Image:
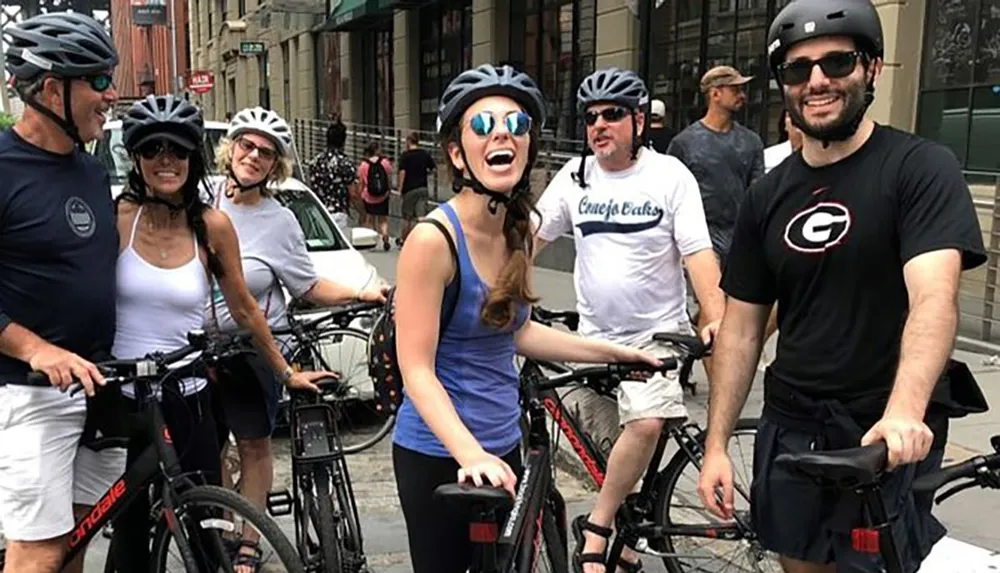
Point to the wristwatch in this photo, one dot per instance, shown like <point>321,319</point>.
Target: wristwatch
<point>286,375</point>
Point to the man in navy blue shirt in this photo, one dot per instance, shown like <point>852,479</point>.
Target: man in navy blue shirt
<point>58,249</point>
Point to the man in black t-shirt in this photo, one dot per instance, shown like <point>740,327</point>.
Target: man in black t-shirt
<point>58,251</point>
<point>861,240</point>
<point>414,165</point>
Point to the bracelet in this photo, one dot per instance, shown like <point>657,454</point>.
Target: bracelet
<point>286,375</point>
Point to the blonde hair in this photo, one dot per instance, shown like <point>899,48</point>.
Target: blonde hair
<point>281,170</point>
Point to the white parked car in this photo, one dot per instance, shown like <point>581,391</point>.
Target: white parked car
<point>332,254</point>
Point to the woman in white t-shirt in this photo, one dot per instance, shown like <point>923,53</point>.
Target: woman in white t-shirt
<point>256,153</point>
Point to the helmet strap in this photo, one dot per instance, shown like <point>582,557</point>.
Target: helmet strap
<point>496,198</point>
<point>244,188</point>
<point>66,124</point>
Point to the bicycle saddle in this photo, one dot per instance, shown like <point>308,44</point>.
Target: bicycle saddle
<point>466,496</point>
<point>692,345</point>
<point>847,469</point>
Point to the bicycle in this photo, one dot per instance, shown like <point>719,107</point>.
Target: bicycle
<point>198,518</point>
<point>537,516</point>
<point>860,470</point>
<point>654,520</point>
<point>327,525</point>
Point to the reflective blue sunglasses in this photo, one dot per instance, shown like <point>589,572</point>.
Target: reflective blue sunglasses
<point>518,123</point>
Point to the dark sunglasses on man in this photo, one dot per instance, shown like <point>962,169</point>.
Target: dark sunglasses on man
<point>99,82</point>
<point>610,115</point>
<point>835,65</point>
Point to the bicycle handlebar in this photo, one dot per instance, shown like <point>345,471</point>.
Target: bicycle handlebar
<point>970,468</point>
<point>619,371</point>
<point>569,318</point>
<point>123,371</point>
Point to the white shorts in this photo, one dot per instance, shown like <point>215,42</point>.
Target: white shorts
<point>40,473</point>
<point>659,397</point>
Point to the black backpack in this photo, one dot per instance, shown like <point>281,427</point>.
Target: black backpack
<point>383,367</point>
<point>378,179</point>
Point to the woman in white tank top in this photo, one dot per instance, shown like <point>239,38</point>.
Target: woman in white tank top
<point>172,247</point>
<point>255,153</point>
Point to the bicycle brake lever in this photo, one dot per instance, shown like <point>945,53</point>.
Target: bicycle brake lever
<point>957,489</point>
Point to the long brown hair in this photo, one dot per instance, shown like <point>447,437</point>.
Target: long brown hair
<point>513,286</point>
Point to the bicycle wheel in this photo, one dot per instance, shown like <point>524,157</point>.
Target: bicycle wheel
<point>326,521</point>
<point>678,505</point>
<point>345,351</point>
<point>352,543</point>
<point>216,521</point>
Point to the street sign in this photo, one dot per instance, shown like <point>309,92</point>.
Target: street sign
<point>251,48</point>
<point>201,82</point>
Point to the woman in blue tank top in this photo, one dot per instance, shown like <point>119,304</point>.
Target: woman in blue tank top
<point>459,417</point>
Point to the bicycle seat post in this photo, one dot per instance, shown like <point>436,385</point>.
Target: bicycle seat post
<point>878,538</point>
<point>484,531</point>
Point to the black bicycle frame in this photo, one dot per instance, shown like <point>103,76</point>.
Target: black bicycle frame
<point>158,459</point>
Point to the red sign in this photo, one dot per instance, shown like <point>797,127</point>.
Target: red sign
<point>201,82</point>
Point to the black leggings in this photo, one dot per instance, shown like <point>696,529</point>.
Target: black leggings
<point>192,429</point>
<point>439,538</point>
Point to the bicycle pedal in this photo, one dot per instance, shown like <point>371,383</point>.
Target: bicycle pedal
<point>279,503</point>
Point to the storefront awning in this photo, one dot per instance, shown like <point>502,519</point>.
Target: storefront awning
<point>351,14</point>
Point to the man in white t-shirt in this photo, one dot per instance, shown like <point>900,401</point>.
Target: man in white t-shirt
<point>635,215</point>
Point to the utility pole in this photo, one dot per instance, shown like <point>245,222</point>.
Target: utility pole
<point>175,80</point>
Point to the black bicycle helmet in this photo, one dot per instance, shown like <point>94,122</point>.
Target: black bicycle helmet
<point>806,19</point>
<point>66,44</point>
<point>167,117</point>
<point>484,81</point>
<point>612,85</point>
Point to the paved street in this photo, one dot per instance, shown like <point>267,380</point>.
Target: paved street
<point>973,535</point>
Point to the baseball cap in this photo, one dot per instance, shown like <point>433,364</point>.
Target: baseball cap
<point>720,76</point>
<point>657,108</point>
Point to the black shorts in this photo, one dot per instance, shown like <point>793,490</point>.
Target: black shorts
<point>378,209</point>
<point>245,398</point>
<point>797,518</point>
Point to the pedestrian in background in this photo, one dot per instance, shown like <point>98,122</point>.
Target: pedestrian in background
<point>414,165</point>
<point>334,178</point>
<point>375,175</point>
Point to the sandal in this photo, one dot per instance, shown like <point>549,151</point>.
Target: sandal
<point>581,524</point>
<point>251,559</point>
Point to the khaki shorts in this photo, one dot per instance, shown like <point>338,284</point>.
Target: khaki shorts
<point>659,397</point>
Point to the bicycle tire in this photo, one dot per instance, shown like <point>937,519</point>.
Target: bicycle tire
<point>227,500</point>
<point>666,481</point>
<point>331,546</point>
<point>352,540</point>
<point>358,370</point>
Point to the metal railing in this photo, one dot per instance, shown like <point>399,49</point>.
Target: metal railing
<point>978,290</point>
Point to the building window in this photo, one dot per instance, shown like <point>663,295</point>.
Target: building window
<point>553,41</point>
<point>328,95</point>
<point>688,37</point>
<point>445,50</point>
<point>960,81</point>
<point>376,75</point>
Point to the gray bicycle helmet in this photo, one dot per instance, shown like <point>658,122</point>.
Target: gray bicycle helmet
<point>806,19</point>
<point>488,80</point>
<point>612,85</point>
<point>167,117</point>
<point>66,44</point>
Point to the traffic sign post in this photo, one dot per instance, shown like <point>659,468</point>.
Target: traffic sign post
<point>201,82</point>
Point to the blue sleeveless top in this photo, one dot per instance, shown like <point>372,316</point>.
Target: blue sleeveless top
<point>475,364</point>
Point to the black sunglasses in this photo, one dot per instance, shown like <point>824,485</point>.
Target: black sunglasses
<point>835,65</point>
<point>153,149</point>
<point>610,115</point>
<point>99,82</point>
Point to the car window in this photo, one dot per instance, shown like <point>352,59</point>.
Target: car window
<point>312,217</point>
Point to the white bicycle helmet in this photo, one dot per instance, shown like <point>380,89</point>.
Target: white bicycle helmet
<point>264,122</point>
